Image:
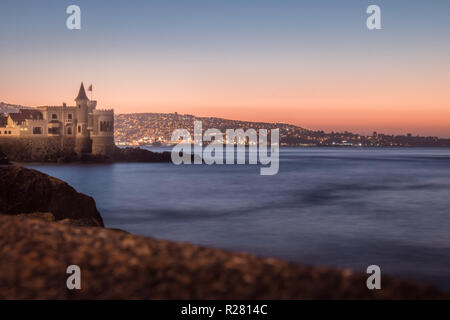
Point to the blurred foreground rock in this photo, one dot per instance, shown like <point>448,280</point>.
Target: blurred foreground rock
<point>3,159</point>
<point>34,255</point>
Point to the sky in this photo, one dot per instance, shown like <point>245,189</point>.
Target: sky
<point>310,63</point>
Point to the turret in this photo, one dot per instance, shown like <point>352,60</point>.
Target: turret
<point>82,144</point>
<point>103,132</point>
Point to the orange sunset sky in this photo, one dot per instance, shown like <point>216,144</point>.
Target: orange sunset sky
<point>292,63</point>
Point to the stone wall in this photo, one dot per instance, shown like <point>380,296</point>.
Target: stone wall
<point>39,149</point>
<point>103,145</point>
<point>83,144</point>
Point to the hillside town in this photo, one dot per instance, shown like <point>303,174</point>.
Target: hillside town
<point>156,129</point>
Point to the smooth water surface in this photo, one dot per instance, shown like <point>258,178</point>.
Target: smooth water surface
<point>327,206</point>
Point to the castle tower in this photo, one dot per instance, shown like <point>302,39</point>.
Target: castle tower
<point>103,132</point>
<point>82,142</point>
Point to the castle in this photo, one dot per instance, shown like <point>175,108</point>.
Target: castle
<point>82,128</point>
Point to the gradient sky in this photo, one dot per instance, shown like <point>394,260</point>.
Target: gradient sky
<point>309,63</point>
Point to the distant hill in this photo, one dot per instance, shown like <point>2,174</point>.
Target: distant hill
<point>157,128</point>
<point>148,128</point>
<point>10,108</point>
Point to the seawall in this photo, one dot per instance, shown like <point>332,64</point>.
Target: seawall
<point>38,149</point>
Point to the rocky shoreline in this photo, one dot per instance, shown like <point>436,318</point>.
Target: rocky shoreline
<point>16,154</point>
<point>46,225</point>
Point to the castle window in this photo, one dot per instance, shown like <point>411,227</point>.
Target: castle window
<point>37,130</point>
<point>69,116</point>
<point>69,130</point>
<point>79,129</point>
<point>106,126</point>
<point>9,132</point>
<point>53,130</point>
<point>54,116</point>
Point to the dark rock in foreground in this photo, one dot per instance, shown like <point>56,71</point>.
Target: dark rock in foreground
<point>3,159</point>
<point>35,254</point>
<point>26,191</point>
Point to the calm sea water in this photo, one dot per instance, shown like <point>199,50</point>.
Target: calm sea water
<point>336,207</point>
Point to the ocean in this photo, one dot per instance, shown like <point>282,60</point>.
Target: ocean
<point>339,207</point>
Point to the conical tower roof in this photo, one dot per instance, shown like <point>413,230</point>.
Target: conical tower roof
<point>82,93</point>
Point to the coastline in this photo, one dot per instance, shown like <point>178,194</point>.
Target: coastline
<point>15,153</point>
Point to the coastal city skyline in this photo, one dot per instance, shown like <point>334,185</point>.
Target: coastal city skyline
<point>144,129</point>
<point>310,64</point>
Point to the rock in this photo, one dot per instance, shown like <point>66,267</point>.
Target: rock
<point>140,155</point>
<point>43,216</point>
<point>35,254</point>
<point>26,191</point>
<point>75,222</point>
<point>3,159</point>
<point>68,158</point>
<point>94,158</point>
<point>49,151</point>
